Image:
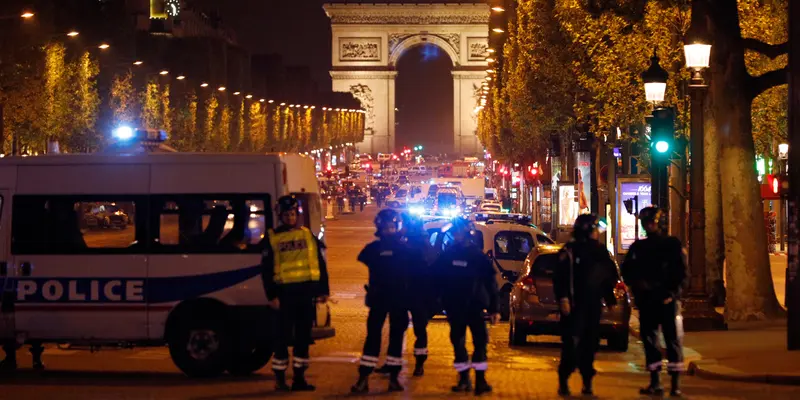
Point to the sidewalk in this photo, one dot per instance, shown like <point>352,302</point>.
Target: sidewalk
<point>746,352</point>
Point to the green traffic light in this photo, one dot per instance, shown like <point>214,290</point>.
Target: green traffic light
<point>662,146</point>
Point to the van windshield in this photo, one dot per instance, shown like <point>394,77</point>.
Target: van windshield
<point>447,200</point>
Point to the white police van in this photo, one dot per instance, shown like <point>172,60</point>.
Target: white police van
<point>142,249</point>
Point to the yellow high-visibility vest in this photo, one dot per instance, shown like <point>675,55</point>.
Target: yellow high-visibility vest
<point>295,255</point>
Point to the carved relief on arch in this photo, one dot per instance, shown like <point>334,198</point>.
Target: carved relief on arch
<point>364,94</point>
<point>400,42</point>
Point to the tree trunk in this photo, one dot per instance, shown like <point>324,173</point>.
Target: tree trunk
<point>715,249</point>
<point>751,295</point>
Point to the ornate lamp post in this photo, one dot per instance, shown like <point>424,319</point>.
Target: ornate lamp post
<point>699,314</point>
<point>661,132</point>
<point>655,81</point>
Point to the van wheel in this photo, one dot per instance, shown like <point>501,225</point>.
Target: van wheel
<point>245,363</point>
<point>516,337</point>
<point>619,342</point>
<point>201,347</point>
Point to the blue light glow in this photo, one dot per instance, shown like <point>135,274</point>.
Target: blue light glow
<point>662,146</point>
<point>123,133</point>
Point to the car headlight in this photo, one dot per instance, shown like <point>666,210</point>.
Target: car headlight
<point>417,210</point>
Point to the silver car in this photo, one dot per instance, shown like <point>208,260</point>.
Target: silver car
<point>534,306</point>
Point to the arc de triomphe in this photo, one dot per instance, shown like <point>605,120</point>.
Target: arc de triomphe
<point>369,39</point>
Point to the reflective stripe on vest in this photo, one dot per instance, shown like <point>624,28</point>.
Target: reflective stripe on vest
<point>295,256</point>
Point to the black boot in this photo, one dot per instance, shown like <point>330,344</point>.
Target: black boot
<point>676,385</point>
<point>481,386</point>
<point>464,384</point>
<point>419,369</point>
<point>362,385</point>
<point>655,385</point>
<point>394,382</point>
<point>299,383</point>
<point>587,386</point>
<point>280,381</point>
<point>563,385</point>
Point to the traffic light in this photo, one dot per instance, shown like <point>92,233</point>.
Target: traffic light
<point>662,133</point>
<point>774,183</point>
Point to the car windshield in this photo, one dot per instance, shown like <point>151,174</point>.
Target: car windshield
<point>402,193</point>
<point>447,199</point>
<point>491,207</point>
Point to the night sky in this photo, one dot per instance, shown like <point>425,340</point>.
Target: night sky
<point>300,31</point>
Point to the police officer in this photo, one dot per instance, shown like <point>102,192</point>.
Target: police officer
<point>468,287</point>
<point>585,276</point>
<point>419,276</point>
<point>386,259</point>
<point>655,270</point>
<point>295,273</point>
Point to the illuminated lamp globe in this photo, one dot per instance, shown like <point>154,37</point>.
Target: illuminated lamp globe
<point>662,146</point>
<point>655,81</point>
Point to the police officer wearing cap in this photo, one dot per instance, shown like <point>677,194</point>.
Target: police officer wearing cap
<point>388,287</point>
<point>295,274</point>
<point>586,275</point>
<point>468,287</point>
<point>655,270</point>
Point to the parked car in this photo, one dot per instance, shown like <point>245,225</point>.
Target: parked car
<point>534,307</point>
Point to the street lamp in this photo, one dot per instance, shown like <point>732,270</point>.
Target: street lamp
<point>497,30</point>
<point>204,85</point>
<point>73,33</point>
<point>180,77</point>
<point>783,151</point>
<point>164,72</point>
<point>498,9</point>
<point>104,46</point>
<point>655,81</point>
<point>138,63</point>
<point>700,314</point>
<point>27,15</point>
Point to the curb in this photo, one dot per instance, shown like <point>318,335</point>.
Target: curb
<point>712,370</point>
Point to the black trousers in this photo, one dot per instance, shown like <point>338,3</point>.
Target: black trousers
<point>295,320</point>
<point>420,316</point>
<point>652,316</point>
<point>398,324</point>
<point>459,322</point>
<point>580,339</point>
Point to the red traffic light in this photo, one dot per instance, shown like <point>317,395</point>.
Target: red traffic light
<point>773,181</point>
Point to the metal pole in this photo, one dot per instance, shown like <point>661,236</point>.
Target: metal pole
<point>699,313</point>
<point>792,282</point>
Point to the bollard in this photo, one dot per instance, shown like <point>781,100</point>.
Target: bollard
<point>329,215</point>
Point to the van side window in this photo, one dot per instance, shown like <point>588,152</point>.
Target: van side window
<point>210,223</point>
<point>542,239</point>
<point>309,204</point>
<point>74,225</point>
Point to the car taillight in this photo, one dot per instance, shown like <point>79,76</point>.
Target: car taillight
<point>620,290</point>
<point>528,284</point>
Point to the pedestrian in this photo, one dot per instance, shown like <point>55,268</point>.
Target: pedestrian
<point>586,275</point>
<point>9,363</point>
<point>386,259</point>
<point>468,287</point>
<point>655,270</point>
<point>295,274</point>
<point>340,202</point>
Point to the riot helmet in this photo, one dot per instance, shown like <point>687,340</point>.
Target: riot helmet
<point>653,220</point>
<point>585,227</point>
<point>388,223</point>
<point>288,209</point>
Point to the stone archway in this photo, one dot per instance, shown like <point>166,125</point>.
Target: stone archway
<point>369,39</point>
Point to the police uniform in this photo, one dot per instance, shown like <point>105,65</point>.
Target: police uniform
<point>468,287</point>
<point>585,276</point>
<point>655,270</point>
<point>294,272</point>
<point>419,305</point>
<point>386,294</point>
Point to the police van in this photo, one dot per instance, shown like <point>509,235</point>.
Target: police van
<point>145,249</point>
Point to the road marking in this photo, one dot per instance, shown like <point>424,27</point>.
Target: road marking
<point>332,359</point>
<point>345,295</point>
<point>354,228</point>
